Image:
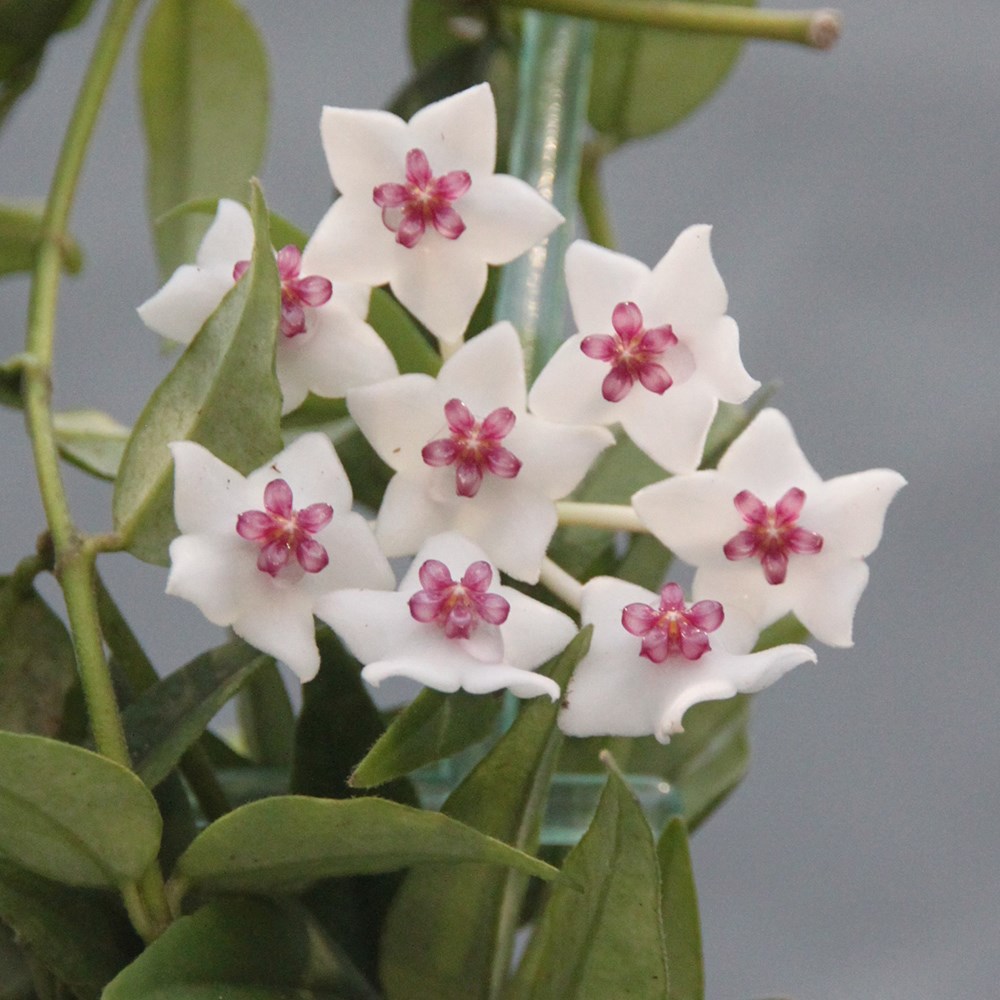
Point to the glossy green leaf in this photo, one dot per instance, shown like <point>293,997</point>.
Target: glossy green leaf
<point>451,930</point>
<point>222,393</point>
<point>283,843</point>
<point>204,87</point>
<point>267,719</point>
<point>646,80</point>
<point>37,664</point>
<point>73,816</point>
<point>82,937</point>
<point>606,940</point>
<point>432,727</point>
<point>21,236</point>
<point>681,926</point>
<point>91,440</point>
<point>410,348</point>
<point>241,949</point>
<point>169,717</point>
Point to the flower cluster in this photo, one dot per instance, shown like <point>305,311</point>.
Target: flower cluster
<point>479,462</point>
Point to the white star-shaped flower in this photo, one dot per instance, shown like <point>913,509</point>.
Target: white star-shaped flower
<point>768,535</point>
<point>655,352</point>
<point>628,685</point>
<point>421,208</point>
<point>257,552</point>
<point>470,458</point>
<point>451,625</point>
<point>324,344</point>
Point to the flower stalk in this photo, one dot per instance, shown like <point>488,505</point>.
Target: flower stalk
<point>611,517</point>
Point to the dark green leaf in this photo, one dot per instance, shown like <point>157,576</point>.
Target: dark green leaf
<point>432,727</point>
<point>606,940</point>
<point>267,719</point>
<point>451,929</point>
<point>284,843</point>
<point>81,936</point>
<point>204,85</point>
<point>681,927</point>
<point>37,664</point>
<point>21,236</point>
<point>368,474</point>
<point>435,27</point>
<point>646,80</point>
<point>222,393</point>
<point>169,717</point>
<point>91,440</point>
<point>73,816</point>
<point>241,949</point>
<point>410,348</point>
<point>10,384</point>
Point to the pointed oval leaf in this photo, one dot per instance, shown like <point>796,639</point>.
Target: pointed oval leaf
<point>410,348</point>
<point>646,80</point>
<point>681,926</point>
<point>286,842</point>
<point>222,393</point>
<point>72,815</point>
<point>91,440</point>
<point>21,231</point>
<point>204,87</point>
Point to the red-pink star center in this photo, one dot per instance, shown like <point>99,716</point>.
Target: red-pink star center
<point>408,208</point>
<point>673,628</point>
<point>296,293</point>
<point>633,353</point>
<point>474,448</point>
<point>457,608</point>
<point>772,533</point>
<point>280,531</point>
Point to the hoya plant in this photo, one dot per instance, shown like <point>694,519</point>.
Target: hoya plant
<point>386,449</point>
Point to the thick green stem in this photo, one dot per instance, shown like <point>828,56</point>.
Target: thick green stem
<point>817,29</point>
<point>610,516</point>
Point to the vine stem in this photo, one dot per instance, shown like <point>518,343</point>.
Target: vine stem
<point>817,29</point>
<point>566,587</point>
<point>611,516</point>
<point>75,555</point>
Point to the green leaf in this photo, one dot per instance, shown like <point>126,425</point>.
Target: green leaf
<point>81,936</point>
<point>21,236</point>
<point>283,232</point>
<point>204,87</point>
<point>681,927</point>
<point>284,843</point>
<point>451,929</point>
<point>646,80</point>
<point>10,383</point>
<point>432,727</point>
<point>241,949</point>
<point>37,664</point>
<point>91,440</point>
<point>169,717</point>
<point>410,348</point>
<point>222,393</point>
<point>73,816</point>
<point>606,941</point>
<point>267,719</point>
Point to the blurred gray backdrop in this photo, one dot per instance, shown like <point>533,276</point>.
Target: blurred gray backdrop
<point>856,201</point>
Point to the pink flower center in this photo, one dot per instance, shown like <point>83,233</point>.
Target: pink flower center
<point>474,448</point>
<point>457,608</point>
<point>296,292</point>
<point>772,533</point>
<point>408,208</point>
<point>280,531</point>
<point>633,353</point>
<point>673,628</point>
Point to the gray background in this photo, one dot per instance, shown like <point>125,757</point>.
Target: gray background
<point>855,200</point>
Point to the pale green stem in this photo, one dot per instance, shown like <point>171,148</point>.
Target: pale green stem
<point>610,516</point>
<point>818,29</point>
<point>557,581</point>
<point>447,349</point>
<point>592,204</point>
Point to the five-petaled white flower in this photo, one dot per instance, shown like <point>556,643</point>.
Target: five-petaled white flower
<point>324,344</point>
<point>655,352</point>
<point>469,457</point>
<point>652,657</point>
<point>768,536</point>
<point>421,208</point>
<point>257,552</point>
<point>451,625</point>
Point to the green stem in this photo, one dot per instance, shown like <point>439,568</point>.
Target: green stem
<point>557,581</point>
<point>817,29</point>
<point>610,516</point>
<point>592,203</point>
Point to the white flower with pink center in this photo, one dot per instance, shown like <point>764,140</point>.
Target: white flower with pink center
<point>421,208</point>
<point>451,625</point>
<point>652,657</point>
<point>324,344</point>
<point>656,351</point>
<point>768,535</point>
<point>469,457</point>
<point>257,552</point>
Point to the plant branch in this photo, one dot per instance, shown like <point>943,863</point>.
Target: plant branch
<point>613,517</point>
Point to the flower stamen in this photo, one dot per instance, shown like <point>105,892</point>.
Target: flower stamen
<point>673,629</point>
<point>457,608</point>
